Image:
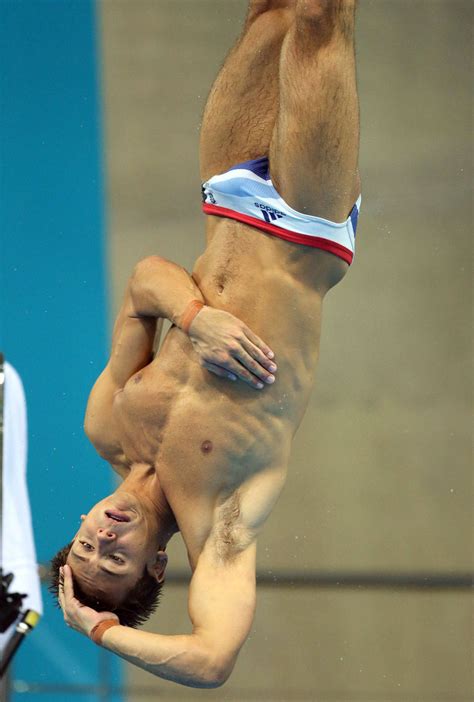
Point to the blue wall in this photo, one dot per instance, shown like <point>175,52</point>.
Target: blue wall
<point>52,289</point>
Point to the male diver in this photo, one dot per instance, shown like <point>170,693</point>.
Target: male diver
<point>200,454</point>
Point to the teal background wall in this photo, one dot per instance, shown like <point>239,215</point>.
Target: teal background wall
<point>53,311</point>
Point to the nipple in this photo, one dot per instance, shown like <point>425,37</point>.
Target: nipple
<point>206,446</point>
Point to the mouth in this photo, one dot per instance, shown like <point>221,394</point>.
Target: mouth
<point>117,516</point>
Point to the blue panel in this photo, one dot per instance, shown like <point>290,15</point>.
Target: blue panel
<point>52,287</point>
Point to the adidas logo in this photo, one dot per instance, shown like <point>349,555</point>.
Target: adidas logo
<point>271,216</point>
<point>268,213</point>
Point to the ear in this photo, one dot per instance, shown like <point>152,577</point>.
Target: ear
<point>157,569</point>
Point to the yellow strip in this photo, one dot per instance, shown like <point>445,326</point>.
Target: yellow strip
<point>32,618</point>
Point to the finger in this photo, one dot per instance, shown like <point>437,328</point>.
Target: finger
<point>61,589</point>
<point>259,356</point>
<point>68,588</point>
<point>217,370</point>
<point>234,371</point>
<point>258,342</point>
<point>253,366</point>
<point>61,597</point>
<point>242,373</point>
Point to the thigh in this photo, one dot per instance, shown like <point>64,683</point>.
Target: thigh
<point>315,144</point>
<point>242,106</point>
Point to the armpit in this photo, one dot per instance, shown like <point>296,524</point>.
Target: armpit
<point>230,536</point>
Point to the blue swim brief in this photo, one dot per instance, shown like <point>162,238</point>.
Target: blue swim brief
<point>246,193</point>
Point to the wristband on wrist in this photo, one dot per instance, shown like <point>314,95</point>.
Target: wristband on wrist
<point>99,630</point>
<point>189,314</point>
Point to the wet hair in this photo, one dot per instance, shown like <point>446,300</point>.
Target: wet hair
<point>138,605</point>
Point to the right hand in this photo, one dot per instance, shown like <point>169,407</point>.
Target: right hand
<point>77,615</point>
<point>229,349</point>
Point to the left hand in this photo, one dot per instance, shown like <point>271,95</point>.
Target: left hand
<point>77,615</point>
<point>228,348</point>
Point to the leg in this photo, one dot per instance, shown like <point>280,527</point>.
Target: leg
<point>242,106</point>
<point>315,144</point>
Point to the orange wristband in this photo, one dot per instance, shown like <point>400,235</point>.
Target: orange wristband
<point>191,311</point>
<point>99,630</point>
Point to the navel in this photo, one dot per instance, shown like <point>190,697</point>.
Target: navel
<point>206,446</point>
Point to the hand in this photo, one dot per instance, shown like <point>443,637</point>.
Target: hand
<point>229,349</point>
<point>77,615</point>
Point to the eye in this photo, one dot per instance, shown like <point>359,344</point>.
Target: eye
<point>87,546</point>
<point>117,559</point>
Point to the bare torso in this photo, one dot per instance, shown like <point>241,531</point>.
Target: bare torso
<point>220,449</point>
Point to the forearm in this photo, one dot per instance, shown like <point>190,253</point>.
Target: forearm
<point>161,288</point>
<point>181,659</point>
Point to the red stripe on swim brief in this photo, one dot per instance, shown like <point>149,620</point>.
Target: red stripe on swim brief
<point>316,242</point>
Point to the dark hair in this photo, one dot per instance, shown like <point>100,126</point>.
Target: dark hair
<point>139,604</point>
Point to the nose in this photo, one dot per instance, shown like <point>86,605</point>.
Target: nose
<point>105,535</point>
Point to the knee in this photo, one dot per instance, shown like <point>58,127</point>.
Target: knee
<point>270,19</point>
<point>325,17</point>
<point>259,7</point>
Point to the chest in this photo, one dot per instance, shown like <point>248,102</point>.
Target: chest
<point>141,414</point>
<point>201,433</point>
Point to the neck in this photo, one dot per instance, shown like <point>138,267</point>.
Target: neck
<point>143,486</point>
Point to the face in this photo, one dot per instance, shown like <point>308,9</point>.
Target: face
<point>115,543</point>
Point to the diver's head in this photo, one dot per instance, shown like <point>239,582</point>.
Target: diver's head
<point>118,541</point>
<point>117,558</point>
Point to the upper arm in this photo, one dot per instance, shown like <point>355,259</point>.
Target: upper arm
<point>222,599</point>
<point>156,289</point>
<point>221,607</point>
<point>222,594</point>
<point>132,347</point>
<point>99,423</point>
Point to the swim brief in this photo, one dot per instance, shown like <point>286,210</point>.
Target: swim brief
<point>246,193</point>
